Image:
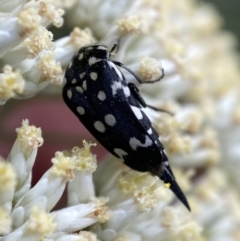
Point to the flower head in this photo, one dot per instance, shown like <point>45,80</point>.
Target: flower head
<point>200,135</point>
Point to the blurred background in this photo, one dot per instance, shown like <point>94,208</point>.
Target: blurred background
<point>230,11</point>
<point>61,129</point>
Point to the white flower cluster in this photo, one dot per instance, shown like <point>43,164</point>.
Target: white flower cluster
<point>110,202</point>
<point>132,197</point>
<point>25,211</point>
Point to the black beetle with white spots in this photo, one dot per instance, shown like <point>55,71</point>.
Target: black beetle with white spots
<point>111,109</point>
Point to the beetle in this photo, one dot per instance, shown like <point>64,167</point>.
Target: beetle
<point>111,109</point>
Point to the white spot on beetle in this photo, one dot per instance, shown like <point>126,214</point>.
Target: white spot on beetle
<point>126,91</point>
<point>84,85</point>
<point>116,86</point>
<point>79,89</point>
<point>92,60</point>
<point>110,120</point>
<point>102,47</point>
<point>101,95</point>
<point>80,110</point>
<point>93,75</point>
<point>99,126</point>
<point>135,143</point>
<point>81,75</point>
<point>74,81</point>
<point>80,56</point>
<point>149,131</point>
<point>69,94</point>
<point>166,163</point>
<point>112,65</point>
<point>137,112</point>
<point>120,153</point>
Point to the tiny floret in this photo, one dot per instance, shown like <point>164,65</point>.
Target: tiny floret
<point>40,222</point>
<point>210,139</point>
<point>81,37</point>
<point>149,69</point>
<point>85,160</point>
<point>179,144</point>
<point>194,122</point>
<point>170,218</point>
<point>29,19</point>
<point>54,15</point>
<point>11,83</point>
<point>128,182</point>
<point>190,231</point>
<point>142,187</point>
<point>165,124</point>
<point>63,165</point>
<point>36,42</point>
<point>101,211</point>
<point>51,69</point>
<point>29,136</point>
<point>129,24</point>
<point>145,200</point>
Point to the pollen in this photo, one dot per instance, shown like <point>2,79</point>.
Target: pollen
<point>142,187</point>
<point>54,15</point>
<point>7,176</point>
<point>40,222</point>
<point>210,139</point>
<point>51,69</point>
<point>80,38</point>
<point>149,69</point>
<point>101,211</point>
<point>190,231</point>
<point>194,121</point>
<point>167,185</point>
<point>128,181</point>
<point>37,41</point>
<point>178,144</point>
<point>63,165</point>
<point>11,83</point>
<point>129,24</point>
<point>170,218</point>
<point>165,124</point>
<point>29,136</point>
<point>29,19</point>
<point>145,200</point>
<point>85,160</point>
<point>173,47</point>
